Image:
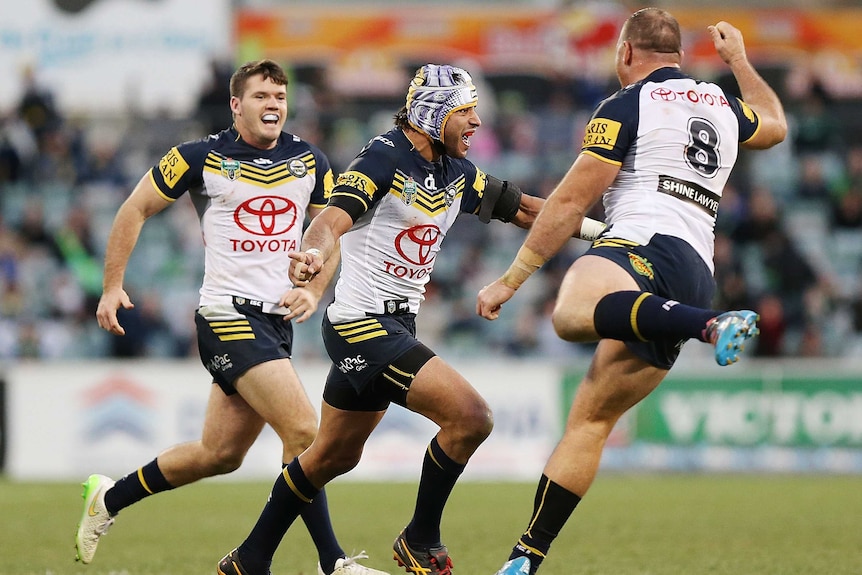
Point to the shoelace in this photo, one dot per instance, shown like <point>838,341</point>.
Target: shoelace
<point>103,528</point>
<point>351,560</point>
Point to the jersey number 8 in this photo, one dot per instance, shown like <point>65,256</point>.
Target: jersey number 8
<point>701,153</point>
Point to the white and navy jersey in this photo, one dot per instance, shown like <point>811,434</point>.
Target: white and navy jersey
<point>402,206</point>
<point>252,204</point>
<point>676,140</point>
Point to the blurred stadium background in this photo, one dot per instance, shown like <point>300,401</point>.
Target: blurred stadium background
<point>94,92</point>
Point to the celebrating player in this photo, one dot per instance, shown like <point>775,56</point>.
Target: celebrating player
<point>391,209</point>
<point>658,152</point>
<point>252,185</point>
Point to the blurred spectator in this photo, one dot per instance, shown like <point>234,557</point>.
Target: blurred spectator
<point>732,287</point>
<point>812,183</point>
<point>817,130</point>
<point>846,209</point>
<point>36,106</point>
<point>75,249</point>
<point>145,329</point>
<point>211,109</point>
<point>33,229</point>
<point>761,219</point>
<point>772,324</point>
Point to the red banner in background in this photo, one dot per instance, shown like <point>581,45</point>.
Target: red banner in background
<point>506,37</point>
<point>365,46</point>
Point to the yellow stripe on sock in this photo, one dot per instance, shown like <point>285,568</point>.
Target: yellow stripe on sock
<point>532,550</point>
<point>144,481</point>
<point>539,509</point>
<point>634,315</point>
<point>293,487</point>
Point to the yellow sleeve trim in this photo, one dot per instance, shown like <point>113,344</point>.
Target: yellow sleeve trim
<point>602,158</point>
<point>158,191</point>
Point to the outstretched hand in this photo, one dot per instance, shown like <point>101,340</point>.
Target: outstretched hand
<point>109,303</point>
<point>491,299</point>
<point>304,266</point>
<point>728,42</point>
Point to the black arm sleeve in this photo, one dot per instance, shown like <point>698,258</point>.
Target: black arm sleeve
<point>500,201</point>
<point>349,204</point>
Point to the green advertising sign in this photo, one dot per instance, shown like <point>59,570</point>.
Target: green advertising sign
<point>783,408</point>
<point>793,412</point>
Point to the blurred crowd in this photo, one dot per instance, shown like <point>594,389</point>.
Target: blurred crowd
<point>789,231</point>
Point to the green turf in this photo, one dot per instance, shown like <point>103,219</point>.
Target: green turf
<point>631,525</point>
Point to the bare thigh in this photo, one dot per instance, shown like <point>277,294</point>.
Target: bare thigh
<point>586,282</point>
<point>275,393</point>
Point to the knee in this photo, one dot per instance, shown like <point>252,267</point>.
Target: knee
<point>298,437</point>
<point>225,461</point>
<point>477,424</point>
<point>571,324</point>
<point>334,462</point>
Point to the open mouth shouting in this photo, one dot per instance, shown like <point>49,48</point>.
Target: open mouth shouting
<point>270,119</point>
<point>465,138</point>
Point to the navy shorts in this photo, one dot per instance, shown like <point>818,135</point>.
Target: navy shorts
<point>234,337</point>
<point>374,361</point>
<point>668,267</point>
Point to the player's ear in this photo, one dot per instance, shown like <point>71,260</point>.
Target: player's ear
<point>628,53</point>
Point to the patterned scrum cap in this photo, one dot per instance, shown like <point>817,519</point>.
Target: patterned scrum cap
<point>435,92</point>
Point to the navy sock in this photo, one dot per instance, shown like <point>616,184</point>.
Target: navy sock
<point>439,474</point>
<point>641,316</point>
<point>315,515</point>
<point>552,507</point>
<point>290,494</point>
<point>146,481</point>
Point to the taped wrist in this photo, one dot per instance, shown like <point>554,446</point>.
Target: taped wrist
<point>500,200</point>
<point>526,262</point>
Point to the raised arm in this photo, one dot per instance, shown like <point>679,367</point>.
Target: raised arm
<point>754,89</point>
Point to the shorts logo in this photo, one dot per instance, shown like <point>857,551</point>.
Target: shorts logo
<point>356,364</point>
<point>230,169</point>
<point>641,265</point>
<point>408,195</point>
<point>219,363</point>
<point>297,168</point>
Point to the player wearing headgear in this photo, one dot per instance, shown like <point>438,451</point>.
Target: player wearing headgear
<point>391,209</point>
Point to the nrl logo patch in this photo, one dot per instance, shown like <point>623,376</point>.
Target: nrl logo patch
<point>449,196</point>
<point>297,168</point>
<point>641,265</point>
<point>408,194</point>
<point>230,169</point>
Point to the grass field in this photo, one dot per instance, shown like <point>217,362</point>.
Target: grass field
<point>628,525</point>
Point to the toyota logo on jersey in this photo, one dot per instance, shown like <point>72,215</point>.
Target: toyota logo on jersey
<point>416,244</point>
<point>266,215</point>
